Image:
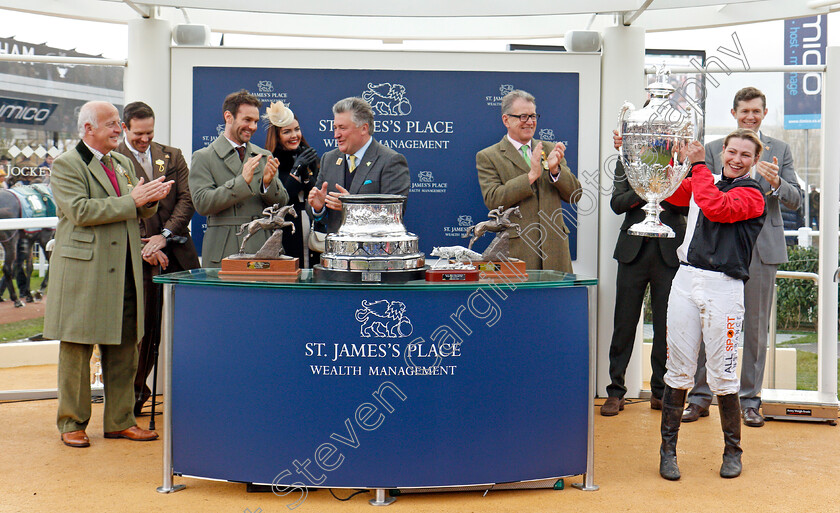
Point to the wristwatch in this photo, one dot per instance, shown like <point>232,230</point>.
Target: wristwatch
<point>167,234</point>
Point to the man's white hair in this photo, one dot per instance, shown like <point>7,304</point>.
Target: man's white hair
<point>87,115</point>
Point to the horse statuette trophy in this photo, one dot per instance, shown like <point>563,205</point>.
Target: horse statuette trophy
<point>651,138</point>
<point>496,262</point>
<point>455,263</point>
<point>269,260</point>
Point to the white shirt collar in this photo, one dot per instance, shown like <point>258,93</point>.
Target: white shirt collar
<point>147,153</point>
<point>360,153</point>
<point>96,153</point>
<point>234,144</point>
<point>518,145</point>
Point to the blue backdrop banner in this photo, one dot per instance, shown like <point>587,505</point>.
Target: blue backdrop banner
<point>438,119</point>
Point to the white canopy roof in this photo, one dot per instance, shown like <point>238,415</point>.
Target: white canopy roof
<point>391,20</point>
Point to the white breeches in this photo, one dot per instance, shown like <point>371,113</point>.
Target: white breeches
<point>705,306</point>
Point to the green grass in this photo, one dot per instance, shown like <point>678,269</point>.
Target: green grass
<point>22,329</point>
<point>12,331</point>
<point>806,363</point>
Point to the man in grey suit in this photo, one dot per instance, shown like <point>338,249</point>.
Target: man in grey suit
<point>232,181</point>
<point>360,165</point>
<point>778,181</point>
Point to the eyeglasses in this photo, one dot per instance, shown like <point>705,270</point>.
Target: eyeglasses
<point>524,117</point>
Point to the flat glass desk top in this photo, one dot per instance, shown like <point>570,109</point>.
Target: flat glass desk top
<point>211,278</point>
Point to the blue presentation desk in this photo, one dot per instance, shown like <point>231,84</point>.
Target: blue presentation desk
<point>380,386</point>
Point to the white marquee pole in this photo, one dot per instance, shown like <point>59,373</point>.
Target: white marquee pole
<point>829,224</point>
<point>148,73</point>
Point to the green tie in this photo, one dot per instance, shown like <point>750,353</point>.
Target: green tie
<point>352,162</point>
<point>525,154</point>
<point>106,159</point>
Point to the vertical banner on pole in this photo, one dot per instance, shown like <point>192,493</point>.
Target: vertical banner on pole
<point>804,44</point>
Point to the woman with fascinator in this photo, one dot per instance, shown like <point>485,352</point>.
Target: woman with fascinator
<point>297,171</point>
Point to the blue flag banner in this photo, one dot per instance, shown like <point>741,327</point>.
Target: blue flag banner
<point>804,44</point>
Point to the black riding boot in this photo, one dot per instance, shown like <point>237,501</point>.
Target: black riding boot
<point>673,401</point>
<point>730,422</point>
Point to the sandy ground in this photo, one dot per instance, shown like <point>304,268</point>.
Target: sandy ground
<point>787,467</point>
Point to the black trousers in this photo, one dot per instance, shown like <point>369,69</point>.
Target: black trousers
<point>633,278</point>
<point>152,308</point>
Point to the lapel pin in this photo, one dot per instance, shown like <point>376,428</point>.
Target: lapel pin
<point>338,161</point>
<point>368,163</point>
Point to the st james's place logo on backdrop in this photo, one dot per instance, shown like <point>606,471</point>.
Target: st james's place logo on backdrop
<point>207,139</point>
<point>463,223</point>
<point>267,93</point>
<point>426,183</point>
<point>546,134</point>
<point>387,99</point>
<point>383,319</point>
<point>494,100</point>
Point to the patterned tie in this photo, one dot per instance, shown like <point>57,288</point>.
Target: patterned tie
<point>241,151</point>
<point>106,159</point>
<point>146,165</point>
<point>524,150</point>
<point>352,159</point>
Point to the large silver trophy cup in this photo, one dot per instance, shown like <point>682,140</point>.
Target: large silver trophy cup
<point>651,138</point>
<point>372,244</point>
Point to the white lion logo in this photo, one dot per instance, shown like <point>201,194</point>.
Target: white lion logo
<point>505,89</point>
<point>426,176</point>
<point>387,99</point>
<point>265,86</point>
<point>547,134</point>
<point>465,220</point>
<point>384,319</point>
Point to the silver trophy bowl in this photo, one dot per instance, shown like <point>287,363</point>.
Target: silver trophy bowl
<point>651,138</point>
<point>372,244</point>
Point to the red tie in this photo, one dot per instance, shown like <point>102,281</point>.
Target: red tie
<point>241,151</point>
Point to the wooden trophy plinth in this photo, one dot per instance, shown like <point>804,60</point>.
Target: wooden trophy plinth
<point>252,267</point>
<point>511,268</point>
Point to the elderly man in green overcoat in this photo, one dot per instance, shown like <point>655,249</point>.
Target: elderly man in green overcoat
<point>97,276</point>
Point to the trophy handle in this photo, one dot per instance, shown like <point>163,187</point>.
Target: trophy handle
<point>627,107</point>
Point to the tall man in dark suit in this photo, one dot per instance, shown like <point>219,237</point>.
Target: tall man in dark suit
<point>778,182</point>
<point>97,276</point>
<point>641,261</point>
<point>360,165</point>
<point>531,174</point>
<point>168,246</point>
<point>232,181</point>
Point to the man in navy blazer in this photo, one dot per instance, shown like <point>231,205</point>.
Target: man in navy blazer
<point>778,182</point>
<point>359,165</point>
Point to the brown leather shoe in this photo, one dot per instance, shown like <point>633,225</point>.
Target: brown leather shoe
<point>75,438</point>
<point>655,403</point>
<point>134,433</point>
<point>752,418</point>
<point>612,406</point>
<point>694,412</point>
